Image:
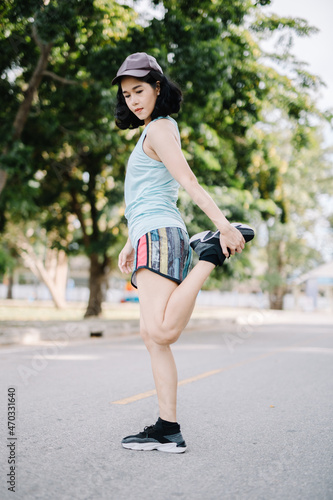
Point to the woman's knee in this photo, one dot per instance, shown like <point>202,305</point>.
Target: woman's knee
<point>165,336</point>
<point>159,333</point>
<point>145,337</point>
<point>154,341</point>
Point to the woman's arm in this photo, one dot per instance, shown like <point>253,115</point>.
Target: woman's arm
<point>126,258</point>
<point>163,140</point>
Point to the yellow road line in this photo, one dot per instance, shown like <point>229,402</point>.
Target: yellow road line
<point>199,377</point>
<point>148,394</point>
<point>137,397</point>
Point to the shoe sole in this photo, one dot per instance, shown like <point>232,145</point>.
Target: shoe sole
<point>165,447</point>
<point>201,236</point>
<point>246,230</point>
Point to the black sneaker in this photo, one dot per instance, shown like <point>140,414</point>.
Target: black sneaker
<point>155,438</point>
<point>208,242</point>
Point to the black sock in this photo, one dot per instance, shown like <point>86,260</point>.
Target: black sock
<point>213,258</point>
<point>166,423</point>
<point>168,426</point>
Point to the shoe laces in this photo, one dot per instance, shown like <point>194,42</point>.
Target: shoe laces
<point>149,429</point>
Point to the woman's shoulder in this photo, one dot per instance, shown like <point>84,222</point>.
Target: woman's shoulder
<point>165,125</point>
<point>166,119</point>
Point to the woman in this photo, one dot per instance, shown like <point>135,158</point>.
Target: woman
<point>158,250</point>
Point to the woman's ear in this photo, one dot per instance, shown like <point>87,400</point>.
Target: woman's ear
<point>158,87</point>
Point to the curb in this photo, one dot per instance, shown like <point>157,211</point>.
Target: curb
<point>23,333</point>
<point>35,332</point>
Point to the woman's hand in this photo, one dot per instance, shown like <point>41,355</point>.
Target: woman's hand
<point>231,240</point>
<point>126,258</point>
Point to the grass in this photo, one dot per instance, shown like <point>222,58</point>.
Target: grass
<point>45,311</point>
<point>22,310</point>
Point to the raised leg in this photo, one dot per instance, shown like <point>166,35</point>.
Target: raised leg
<point>167,307</point>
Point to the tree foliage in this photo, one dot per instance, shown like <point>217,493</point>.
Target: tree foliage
<point>64,163</point>
<point>64,160</point>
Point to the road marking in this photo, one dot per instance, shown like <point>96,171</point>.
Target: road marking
<point>137,397</point>
<point>148,394</point>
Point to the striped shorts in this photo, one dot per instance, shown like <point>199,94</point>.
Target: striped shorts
<point>164,251</point>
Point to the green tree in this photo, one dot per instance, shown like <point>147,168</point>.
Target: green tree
<point>303,176</point>
<point>61,163</point>
<point>68,164</point>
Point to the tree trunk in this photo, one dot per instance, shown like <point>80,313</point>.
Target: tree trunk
<point>31,92</point>
<point>97,285</point>
<point>10,285</point>
<point>49,278</point>
<point>276,298</point>
<point>277,260</point>
<point>3,179</point>
<point>56,266</point>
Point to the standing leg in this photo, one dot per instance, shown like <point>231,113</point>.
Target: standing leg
<point>165,375</point>
<point>165,435</point>
<point>157,294</point>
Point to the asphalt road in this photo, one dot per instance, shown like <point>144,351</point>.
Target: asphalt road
<point>255,408</point>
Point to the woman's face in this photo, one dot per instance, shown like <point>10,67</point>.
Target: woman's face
<point>140,97</point>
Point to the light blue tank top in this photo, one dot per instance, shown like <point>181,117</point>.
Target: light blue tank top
<point>151,193</point>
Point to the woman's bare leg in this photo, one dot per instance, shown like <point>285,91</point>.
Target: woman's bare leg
<point>165,375</point>
<point>167,307</point>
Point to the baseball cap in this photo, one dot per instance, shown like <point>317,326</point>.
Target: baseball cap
<point>139,65</point>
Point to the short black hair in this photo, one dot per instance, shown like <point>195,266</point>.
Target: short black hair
<point>167,102</point>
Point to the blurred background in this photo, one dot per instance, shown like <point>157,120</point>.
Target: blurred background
<point>256,128</point>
